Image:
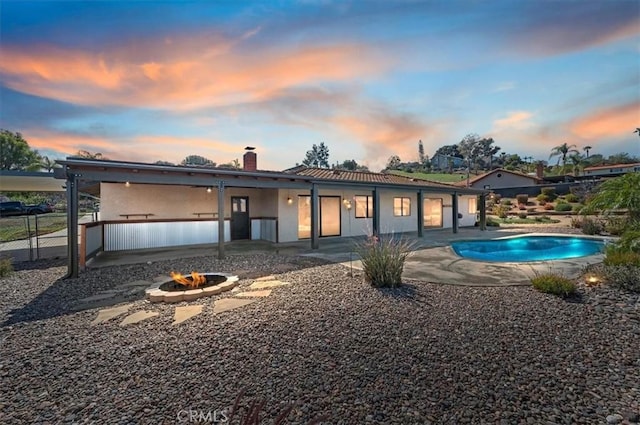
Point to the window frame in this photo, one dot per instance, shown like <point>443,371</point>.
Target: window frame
<point>475,202</point>
<point>368,206</point>
<point>403,213</point>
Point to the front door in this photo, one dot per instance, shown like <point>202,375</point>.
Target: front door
<point>432,212</point>
<point>240,224</point>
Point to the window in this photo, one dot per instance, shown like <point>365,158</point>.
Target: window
<point>364,206</point>
<point>473,205</point>
<point>401,207</point>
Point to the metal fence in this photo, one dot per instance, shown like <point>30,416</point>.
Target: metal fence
<point>34,237</point>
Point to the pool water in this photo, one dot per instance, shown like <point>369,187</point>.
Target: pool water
<point>529,248</point>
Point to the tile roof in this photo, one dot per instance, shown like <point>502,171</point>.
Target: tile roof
<point>604,167</point>
<point>502,170</point>
<point>363,177</point>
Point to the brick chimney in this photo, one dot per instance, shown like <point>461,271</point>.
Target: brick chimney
<point>540,170</point>
<point>249,160</point>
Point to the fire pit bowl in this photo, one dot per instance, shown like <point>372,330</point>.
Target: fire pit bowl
<point>170,291</point>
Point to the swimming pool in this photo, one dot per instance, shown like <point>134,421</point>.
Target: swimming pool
<point>529,248</point>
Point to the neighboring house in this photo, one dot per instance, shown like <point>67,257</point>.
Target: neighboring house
<point>500,178</point>
<point>154,206</point>
<point>610,170</point>
<point>444,162</point>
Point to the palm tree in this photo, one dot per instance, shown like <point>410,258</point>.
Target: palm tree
<point>587,149</point>
<point>619,193</point>
<point>562,151</point>
<point>577,160</point>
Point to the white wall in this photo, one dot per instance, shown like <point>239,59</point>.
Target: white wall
<point>502,179</point>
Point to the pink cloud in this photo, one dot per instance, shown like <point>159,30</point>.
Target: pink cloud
<point>180,73</point>
<point>607,123</point>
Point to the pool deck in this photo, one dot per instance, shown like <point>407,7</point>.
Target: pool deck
<point>432,261</point>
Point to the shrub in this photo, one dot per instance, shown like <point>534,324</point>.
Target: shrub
<point>506,202</point>
<point>522,207</point>
<point>618,257</point>
<point>522,215</point>
<point>576,222</point>
<point>551,283</point>
<point>522,199</point>
<point>492,223</point>
<point>572,198</point>
<point>548,207</point>
<point>628,242</point>
<point>383,260</point>
<point>530,210</point>
<point>615,225</point>
<point>577,208</point>
<point>563,207</point>
<point>545,218</point>
<point>590,226</point>
<point>6,268</point>
<point>542,203</point>
<point>550,192</point>
<point>542,198</point>
<point>625,277</point>
<point>497,197</point>
<point>501,211</point>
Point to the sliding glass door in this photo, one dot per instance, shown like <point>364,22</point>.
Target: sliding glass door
<point>329,216</point>
<point>432,212</point>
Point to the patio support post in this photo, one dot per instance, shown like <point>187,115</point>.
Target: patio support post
<point>483,212</point>
<point>315,231</point>
<point>221,220</point>
<point>72,226</point>
<point>454,211</point>
<point>420,213</point>
<point>376,211</point>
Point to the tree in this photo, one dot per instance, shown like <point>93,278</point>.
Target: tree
<point>471,148</point>
<point>449,150</point>
<point>394,162</point>
<point>637,131</point>
<point>420,152</point>
<point>47,164</point>
<point>197,160</point>
<point>621,158</point>
<point>88,155</point>
<point>318,156</point>
<point>562,151</point>
<point>619,193</point>
<point>587,149</point>
<point>487,150</point>
<point>15,153</point>
<point>233,165</point>
<point>577,161</point>
<point>164,163</point>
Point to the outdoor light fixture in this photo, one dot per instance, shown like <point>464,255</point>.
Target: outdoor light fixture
<point>592,280</point>
<point>289,200</point>
<point>208,190</point>
<point>127,184</point>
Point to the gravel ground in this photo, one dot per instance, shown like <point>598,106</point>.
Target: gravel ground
<point>421,354</point>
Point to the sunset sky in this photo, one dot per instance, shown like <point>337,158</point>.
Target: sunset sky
<point>147,81</point>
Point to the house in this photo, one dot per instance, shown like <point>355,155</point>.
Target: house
<point>610,170</point>
<point>154,206</point>
<point>444,162</point>
<point>500,178</point>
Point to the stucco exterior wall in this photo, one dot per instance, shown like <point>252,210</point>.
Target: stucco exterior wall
<point>500,179</point>
<point>178,202</point>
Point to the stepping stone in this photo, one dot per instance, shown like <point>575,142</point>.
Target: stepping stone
<point>98,297</point>
<point>267,284</point>
<point>186,312</point>
<point>263,278</point>
<point>110,313</point>
<point>138,316</point>
<point>257,294</point>
<point>227,304</point>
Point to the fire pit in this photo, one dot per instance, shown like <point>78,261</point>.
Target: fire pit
<point>191,287</point>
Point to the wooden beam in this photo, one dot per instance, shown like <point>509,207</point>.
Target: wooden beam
<point>221,220</point>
